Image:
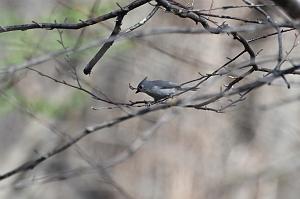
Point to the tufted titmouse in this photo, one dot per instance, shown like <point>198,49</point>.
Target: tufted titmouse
<point>160,89</point>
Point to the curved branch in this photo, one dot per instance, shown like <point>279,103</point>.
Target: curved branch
<point>81,24</point>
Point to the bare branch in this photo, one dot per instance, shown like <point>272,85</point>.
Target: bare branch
<point>81,24</point>
<point>88,68</point>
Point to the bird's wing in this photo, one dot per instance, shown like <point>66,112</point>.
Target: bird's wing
<point>165,84</point>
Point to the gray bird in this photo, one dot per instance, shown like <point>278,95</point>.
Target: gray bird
<point>160,89</point>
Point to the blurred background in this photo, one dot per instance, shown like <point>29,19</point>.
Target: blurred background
<point>249,151</point>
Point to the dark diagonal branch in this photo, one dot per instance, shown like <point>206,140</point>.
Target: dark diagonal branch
<point>114,34</point>
<point>88,68</point>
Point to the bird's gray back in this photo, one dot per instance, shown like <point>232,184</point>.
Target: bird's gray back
<point>163,84</point>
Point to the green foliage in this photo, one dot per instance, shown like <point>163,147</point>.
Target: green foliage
<point>33,43</point>
<point>105,8</point>
<point>45,107</point>
<point>6,102</point>
<point>9,17</point>
<point>54,110</point>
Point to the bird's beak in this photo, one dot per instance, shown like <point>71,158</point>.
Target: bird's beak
<point>137,91</point>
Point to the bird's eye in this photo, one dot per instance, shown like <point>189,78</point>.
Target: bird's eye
<point>141,86</point>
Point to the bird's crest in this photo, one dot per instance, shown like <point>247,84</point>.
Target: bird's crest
<point>144,79</point>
